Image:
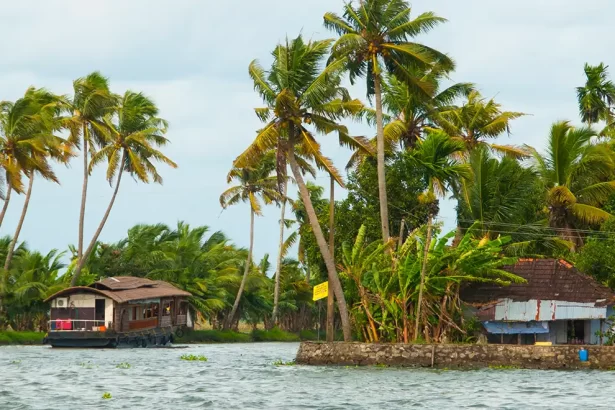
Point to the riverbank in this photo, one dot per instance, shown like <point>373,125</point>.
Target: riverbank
<point>189,337</point>
<point>469,356</point>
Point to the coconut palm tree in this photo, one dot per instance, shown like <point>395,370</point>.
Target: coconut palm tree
<point>49,146</point>
<point>301,97</point>
<point>92,100</point>
<point>131,143</point>
<point>375,36</point>
<point>253,182</point>
<point>578,177</point>
<point>435,157</point>
<point>409,113</point>
<point>597,96</point>
<point>478,120</point>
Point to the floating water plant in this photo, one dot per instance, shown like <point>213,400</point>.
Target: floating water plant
<point>283,363</point>
<point>15,361</point>
<point>193,358</point>
<point>123,365</point>
<point>106,395</point>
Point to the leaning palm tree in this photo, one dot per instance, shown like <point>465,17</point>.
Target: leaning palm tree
<point>253,182</point>
<point>597,96</point>
<point>578,177</point>
<point>300,96</point>
<point>131,137</point>
<point>91,101</point>
<point>375,36</point>
<point>48,146</point>
<point>435,157</point>
<point>478,120</point>
<point>22,143</point>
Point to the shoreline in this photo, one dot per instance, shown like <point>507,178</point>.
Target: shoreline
<point>27,338</point>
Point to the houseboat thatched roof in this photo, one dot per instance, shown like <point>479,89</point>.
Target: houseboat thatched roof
<point>124,289</point>
<point>547,279</point>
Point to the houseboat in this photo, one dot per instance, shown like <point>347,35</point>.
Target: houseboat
<point>118,311</point>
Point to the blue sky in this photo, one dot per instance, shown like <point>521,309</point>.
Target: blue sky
<point>192,56</point>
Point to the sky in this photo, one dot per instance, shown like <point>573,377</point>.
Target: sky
<point>191,57</point>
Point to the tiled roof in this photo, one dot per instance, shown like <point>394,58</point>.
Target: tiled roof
<point>126,289</point>
<point>547,279</point>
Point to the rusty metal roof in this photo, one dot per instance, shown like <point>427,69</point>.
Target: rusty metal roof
<point>126,289</point>
<point>547,279</point>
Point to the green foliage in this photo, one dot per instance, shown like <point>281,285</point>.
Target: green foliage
<point>123,365</point>
<point>597,256</point>
<point>273,335</point>
<point>193,358</point>
<point>21,338</point>
<point>283,363</point>
<point>106,396</point>
<point>213,336</point>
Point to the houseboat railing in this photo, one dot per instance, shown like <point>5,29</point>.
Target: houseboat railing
<point>65,325</point>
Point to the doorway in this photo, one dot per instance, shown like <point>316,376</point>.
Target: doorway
<point>576,332</point>
<point>99,312</point>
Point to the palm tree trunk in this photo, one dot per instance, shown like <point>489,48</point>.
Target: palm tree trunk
<point>81,262</point>
<point>382,186</point>
<point>6,203</point>
<point>229,320</point>
<point>330,298</point>
<point>423,273</point>
<point>11,251</point>
<point>278,270</point>
<point>322,245</point>
<point>84,192</point>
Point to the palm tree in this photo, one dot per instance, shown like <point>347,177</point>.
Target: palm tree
<point>410,113</point>
<point>131,142</point>
<point>91,101</point>
<point>44,123</point>
<point>253,182</point>
<point>478,120</point>
<point>374,36</point>
<point>22,145</point>
<point>597,96</point>
<point>435,157</point>
<point>298,95</point>
<point>578,177</point>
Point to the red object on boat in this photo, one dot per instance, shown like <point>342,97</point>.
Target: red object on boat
<point>63,324</point>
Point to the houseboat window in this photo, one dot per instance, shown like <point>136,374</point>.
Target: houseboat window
<point>135,313</point>
<point>183,308</point>
<point>166,309</point>
<point>155,310</point>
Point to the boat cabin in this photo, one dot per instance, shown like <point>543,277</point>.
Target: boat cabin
<point>557,305</point>
<point>122,309</point>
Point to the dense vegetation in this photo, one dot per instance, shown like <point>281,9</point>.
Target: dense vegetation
<point>394,275</point>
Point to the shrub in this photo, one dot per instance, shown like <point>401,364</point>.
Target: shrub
<point>274,335</point>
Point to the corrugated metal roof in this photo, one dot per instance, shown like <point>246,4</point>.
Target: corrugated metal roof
<point>148,290</point>
<point>547,279</point>
<point>543,310</point>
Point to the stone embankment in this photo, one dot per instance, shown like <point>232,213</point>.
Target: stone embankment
<point>455,355</point>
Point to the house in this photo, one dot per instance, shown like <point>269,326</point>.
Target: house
<point>116,311</point>
<point>558,304</point>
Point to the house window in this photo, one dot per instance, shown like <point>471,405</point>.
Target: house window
<point>166,309</point>
<point>183,308</point>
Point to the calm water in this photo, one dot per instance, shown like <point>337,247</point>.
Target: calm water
<point>242,376</point>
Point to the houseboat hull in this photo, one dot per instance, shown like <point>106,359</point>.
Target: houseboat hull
<point>151,338</point>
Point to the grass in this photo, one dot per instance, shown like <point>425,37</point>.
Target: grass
<point>274,335</point>
<point>193,358</point>
<point>213,336</point>
<point>283,363</point>
<point>21,338</point>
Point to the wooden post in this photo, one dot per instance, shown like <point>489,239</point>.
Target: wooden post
<point>518,338</point>
<point>502,338</point>
<point>330,299</point>
<point>433,354</point>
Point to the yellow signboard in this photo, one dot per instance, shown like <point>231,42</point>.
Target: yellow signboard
<point>321,291</point>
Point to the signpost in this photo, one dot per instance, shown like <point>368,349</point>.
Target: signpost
<point>321,291</point>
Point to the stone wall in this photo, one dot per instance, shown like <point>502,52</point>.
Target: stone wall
<point>455,356</point>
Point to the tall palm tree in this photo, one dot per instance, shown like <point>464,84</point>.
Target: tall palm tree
<point>478,120</point>
<point>435,157</point>
<point>408,113</point>
<point>92,100</point>
<point>131,137</point>
<point>597,96</point>
<point>306,167</point>
<point>49,146</point>
<point>578,177</point>
<point>253,182</point>
<point>375,36</point>
<point>22,145</point>
<point>300,96</point>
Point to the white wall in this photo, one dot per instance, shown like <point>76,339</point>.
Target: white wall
<point>82,300</point>
<point>108,311</point>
